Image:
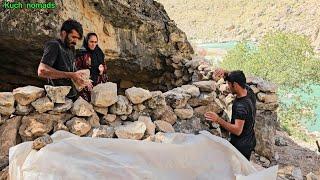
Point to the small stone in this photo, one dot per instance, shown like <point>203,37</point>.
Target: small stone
<point>191,90</point>
<point>204,99</point>
<point>122,106</point>
<point>116,123</point>
<point>85,78</point>
<point>6,103</point>
<point>104,95</point>
<point>26,95</point>
<point>60,108</point>
<point>82,108</point>
<point>267,98</point>
<point>176,99</point>
<point>267,107</point>
<point>184,113</point>
<point>165,114</point>
<point>139,107</point>
<point>57,94</point>
<point>265,161</point>
<point>109,118</point>
<point>94,120</point>
<point>43,104</point>
<point>265,86</point>
<point>101,110</point>
<point>149,124</point>
<point>137,95</point>
<point>103,131</point>
<point>279,141</point>
<point>59,126</point>
<point>78,126</point>
<point>207,86</point>
<point>6,99</point>
<point>164,126</point>
<point>41,142</point>
<point>134,130</point>
<point>123,117</point>
<point>157,100</point>
<point>23,110</point>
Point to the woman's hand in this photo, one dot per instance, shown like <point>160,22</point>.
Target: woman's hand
<point>101,69</point>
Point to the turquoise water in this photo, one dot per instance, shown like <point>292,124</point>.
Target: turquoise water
<point>313,95</point>
<point>223,45</point>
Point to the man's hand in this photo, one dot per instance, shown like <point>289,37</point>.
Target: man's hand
<point>212,116</point>
<point>78,77</point>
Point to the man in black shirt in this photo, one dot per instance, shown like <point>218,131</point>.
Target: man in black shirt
<point>57,63</point>
<point>243,114</point>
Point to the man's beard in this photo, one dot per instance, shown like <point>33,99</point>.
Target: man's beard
<point>69,44</point>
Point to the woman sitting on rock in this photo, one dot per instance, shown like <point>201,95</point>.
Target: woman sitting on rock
<point>91,57</point>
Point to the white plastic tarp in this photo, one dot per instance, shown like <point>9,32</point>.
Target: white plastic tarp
<point>179,156</point>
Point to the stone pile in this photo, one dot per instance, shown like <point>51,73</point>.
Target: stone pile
<point>32,113</point>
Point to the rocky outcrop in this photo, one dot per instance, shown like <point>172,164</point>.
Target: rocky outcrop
<point>137,37</point>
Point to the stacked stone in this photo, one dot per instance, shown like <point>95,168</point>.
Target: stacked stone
<point>266,118</point>
<point>32,113</point>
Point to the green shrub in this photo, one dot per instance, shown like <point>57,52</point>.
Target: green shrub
<point>288,60</point>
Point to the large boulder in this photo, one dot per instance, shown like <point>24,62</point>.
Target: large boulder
<point>28,94</point>
<point>104,95</point>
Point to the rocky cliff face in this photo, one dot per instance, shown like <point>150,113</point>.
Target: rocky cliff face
<point>137,36</point>
<point>233,20</point>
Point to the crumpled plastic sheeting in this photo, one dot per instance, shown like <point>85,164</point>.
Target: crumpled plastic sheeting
<point>179,156</point>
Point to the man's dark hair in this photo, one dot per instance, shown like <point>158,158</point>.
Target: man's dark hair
<point>70,24</point>
<point>238,77</point>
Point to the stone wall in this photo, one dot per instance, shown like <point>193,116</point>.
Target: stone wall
<point>30,112</point>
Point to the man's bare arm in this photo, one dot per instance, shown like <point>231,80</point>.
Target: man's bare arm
<point>46,71</point>
<point>235,128</point>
